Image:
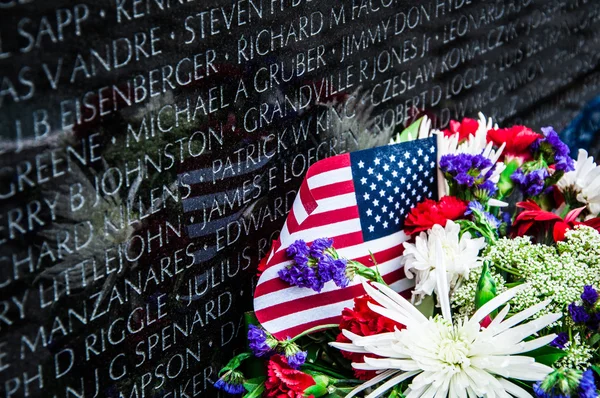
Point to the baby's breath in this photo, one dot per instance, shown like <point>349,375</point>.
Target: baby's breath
<point>579,355</point>
<point>557,272</point>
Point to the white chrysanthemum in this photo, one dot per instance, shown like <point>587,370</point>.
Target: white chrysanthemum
<point>451,359</point>
<point>461,255</point>
<point>584,182</point>
<point>474,145</point>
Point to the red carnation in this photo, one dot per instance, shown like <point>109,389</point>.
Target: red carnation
<point>285,382</point>
<point>464,129</point>
<point>428,213</point>
<point>363,322</point>
<point>518,139</point>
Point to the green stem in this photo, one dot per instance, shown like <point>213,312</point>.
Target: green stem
<point>507,270</point>
<point>565,212</point>
<point>315,329</point>
<point>323,369</point>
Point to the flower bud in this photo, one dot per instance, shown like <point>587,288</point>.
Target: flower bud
<point>486,287</point>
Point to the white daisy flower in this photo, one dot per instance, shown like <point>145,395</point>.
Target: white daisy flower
<point>461,256</point>
<point>583,182</point>
<point>446,359</point>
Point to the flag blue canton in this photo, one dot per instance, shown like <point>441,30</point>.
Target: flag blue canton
<point>389,181</point>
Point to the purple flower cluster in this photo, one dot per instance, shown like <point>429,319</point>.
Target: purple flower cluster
<point>578,313</point>
<point>554,150</point>
<point>296,360</point>
<point>589,295</point>
<point>472,171</point>
<point>586,314</point>
<point>532,183</point>
<point>560,341</point>
<point>258,340</point>
<point>314,266</point>
<point>295,357</point>
<point>541,393</point>
<point>230,387</point>
<point>263,344</point>
<point>587,385</point>
<point>477,209</point>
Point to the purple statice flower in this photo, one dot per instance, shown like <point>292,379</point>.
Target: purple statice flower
<point>578,313</point>
<point>478,210</point>
<point>587,385</point>
<point>258,340</point>
<point>338,271</point>
<point>232,386</point>
<point>296,360</point>
<point>554,150</point>
<point>297,249</point>
<point>541,393</point>
<point>301,275</point>
<point>560,341</point>
<point>473,171</point>
<point>318,247</point>
<point>589,295</point>
<point>314,266</point>
<point>532,183</point>
<point>293,354</point>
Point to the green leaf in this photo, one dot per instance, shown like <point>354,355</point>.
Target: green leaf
<point>235,362</point>
<point>257,392</point>
<point>426,306</point>
<point>411,133</point>
<point>547,355</point>
<point>250,319</point>
<point>506,184</point>
<point>595,339</point>
<point>596,369</point>
<point>321,380</point>
<point>316,391</point>
<point>252,384</point>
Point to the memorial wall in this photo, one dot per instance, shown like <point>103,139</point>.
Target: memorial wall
<point>151,149</point>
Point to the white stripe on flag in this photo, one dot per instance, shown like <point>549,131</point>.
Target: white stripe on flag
<point>295,292</point>
<point>299,211</point>
<point>330,177</point>
<point>335,202</point>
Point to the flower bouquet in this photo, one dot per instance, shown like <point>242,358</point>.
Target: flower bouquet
<point>455,263</point>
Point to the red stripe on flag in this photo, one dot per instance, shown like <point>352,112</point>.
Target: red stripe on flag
<point>331,217</point>
<point>306,198</point>
<point>332,163</point>
<point>328,191</point>
<point>296,330</point>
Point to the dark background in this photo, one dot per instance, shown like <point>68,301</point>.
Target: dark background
<point>109,312</point>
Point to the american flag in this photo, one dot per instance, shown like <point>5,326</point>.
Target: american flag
<point>360,200</point>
